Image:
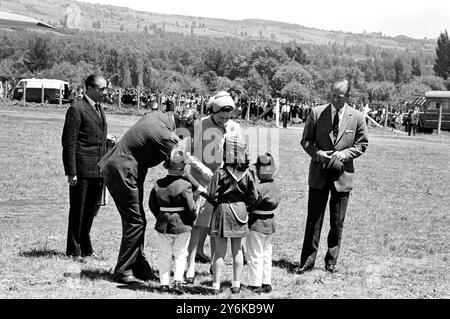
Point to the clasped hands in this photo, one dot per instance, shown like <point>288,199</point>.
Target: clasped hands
<point>325,156</point>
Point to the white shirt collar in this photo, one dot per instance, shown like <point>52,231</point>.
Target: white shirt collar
<point>91,102</point>
<point>341,111</point>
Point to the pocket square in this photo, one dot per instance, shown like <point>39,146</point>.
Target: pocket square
<point>349,131</point>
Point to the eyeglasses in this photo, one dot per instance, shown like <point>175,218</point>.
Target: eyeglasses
<point>103,89</point>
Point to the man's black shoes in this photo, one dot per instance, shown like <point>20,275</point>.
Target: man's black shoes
<point>303,269</point>
<point>128,280</point>
<point>331,268</point>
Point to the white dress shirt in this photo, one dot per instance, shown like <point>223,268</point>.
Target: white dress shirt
<point>340,114</point>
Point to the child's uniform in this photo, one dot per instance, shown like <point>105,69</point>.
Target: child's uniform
<point>261,227</point>
<point>172,203</point>
<point>232,191</point>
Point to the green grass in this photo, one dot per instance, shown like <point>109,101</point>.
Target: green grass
<point>395,240</point>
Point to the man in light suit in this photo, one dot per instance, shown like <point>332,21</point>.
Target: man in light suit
<point>84,144</point>
<point>336,132</point>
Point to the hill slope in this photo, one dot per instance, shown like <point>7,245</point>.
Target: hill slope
<point>75,14</point>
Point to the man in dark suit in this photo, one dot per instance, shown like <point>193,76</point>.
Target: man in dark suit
<point>84,144</point>
<point>333,131</point>
<point>124,168</point>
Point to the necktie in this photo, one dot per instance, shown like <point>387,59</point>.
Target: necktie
<point>97,108</point>
<point>336,125</point>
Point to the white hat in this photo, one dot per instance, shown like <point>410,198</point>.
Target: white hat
<point>221,100</point>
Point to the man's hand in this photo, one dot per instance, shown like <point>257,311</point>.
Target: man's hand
<point>72,180</point>
<point>323,157</point>
<point>340,155</point>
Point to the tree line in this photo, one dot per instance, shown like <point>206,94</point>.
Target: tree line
<point>172,62</point>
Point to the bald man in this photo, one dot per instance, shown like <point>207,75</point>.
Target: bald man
<point>84,144</point>
<point>334,135</point>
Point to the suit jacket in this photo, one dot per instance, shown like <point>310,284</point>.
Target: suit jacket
<point>83,140</point>
<point>352,140</point>
<point>173,191</point>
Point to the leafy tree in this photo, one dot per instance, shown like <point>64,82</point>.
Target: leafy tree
<point>40,54</point>
<point>381,91</point>
<point>416,67</point>
<point>289,73</point>
<point>214,60</point>
<point>295,91</point>
<point>433,82</point>
<point>402,72</point>
<point>442,62</point>
<point>296,53</point>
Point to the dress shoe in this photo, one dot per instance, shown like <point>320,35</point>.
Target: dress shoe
<point>149,275</point>
<point>128,280</point>
<point>93,255</point>
<point>331,268</point>
<point>266,288</point>
<point>190,280</point>
<point>235,290</point>
<point>202,259</point>
<point>164,288</point>
<point>303,269</point>
<point>79,259</point>
<point>177,288</point>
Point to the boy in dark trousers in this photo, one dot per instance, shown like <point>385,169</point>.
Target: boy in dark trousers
<point>261,227</point>
<point>172,203</point>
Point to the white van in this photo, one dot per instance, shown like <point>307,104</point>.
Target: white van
<point>33,92</point>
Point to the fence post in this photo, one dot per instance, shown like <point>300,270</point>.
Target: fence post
<point>386,115</point>
<point>138,98</point>
<point>24,92</point>
<point>120,97</point>
<point>439,119</point>
<point>60,95</point>
<point>42,95</point>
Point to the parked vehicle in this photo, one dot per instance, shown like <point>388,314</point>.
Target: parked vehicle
<point>33,90</point>
<point>429,116</point>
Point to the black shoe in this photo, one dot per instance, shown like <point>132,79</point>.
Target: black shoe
<point>93,255</point>
<point>79,259</point>
<point>303,269</point>
<point>266,288</point>
<point>128,280</point>
<point>202,259</point>
<point>235,290</point>
<point>164,288</point>
<point>149,275</point>
<point>177,288</point>
<point>190,280</point>
<point>331,268</point>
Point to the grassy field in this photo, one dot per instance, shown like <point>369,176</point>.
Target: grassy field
<point>395,243</point>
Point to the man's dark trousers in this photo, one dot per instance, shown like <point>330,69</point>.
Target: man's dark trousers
<point>317,202</point>
<point>131,259</point>
<point>84,205</point>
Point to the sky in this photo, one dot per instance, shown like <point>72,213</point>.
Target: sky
<point>414,18</point>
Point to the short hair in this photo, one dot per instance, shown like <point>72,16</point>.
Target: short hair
<point>91,79</point>
<point>347,82</point>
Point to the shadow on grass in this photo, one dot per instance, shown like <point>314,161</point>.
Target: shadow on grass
<point>154,288</point>
<point>288,265</point>
<point>96,274</point>
<point>38,252</point>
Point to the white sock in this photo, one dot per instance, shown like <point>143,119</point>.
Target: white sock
<point>216,285</point>
<point>236,284</point>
